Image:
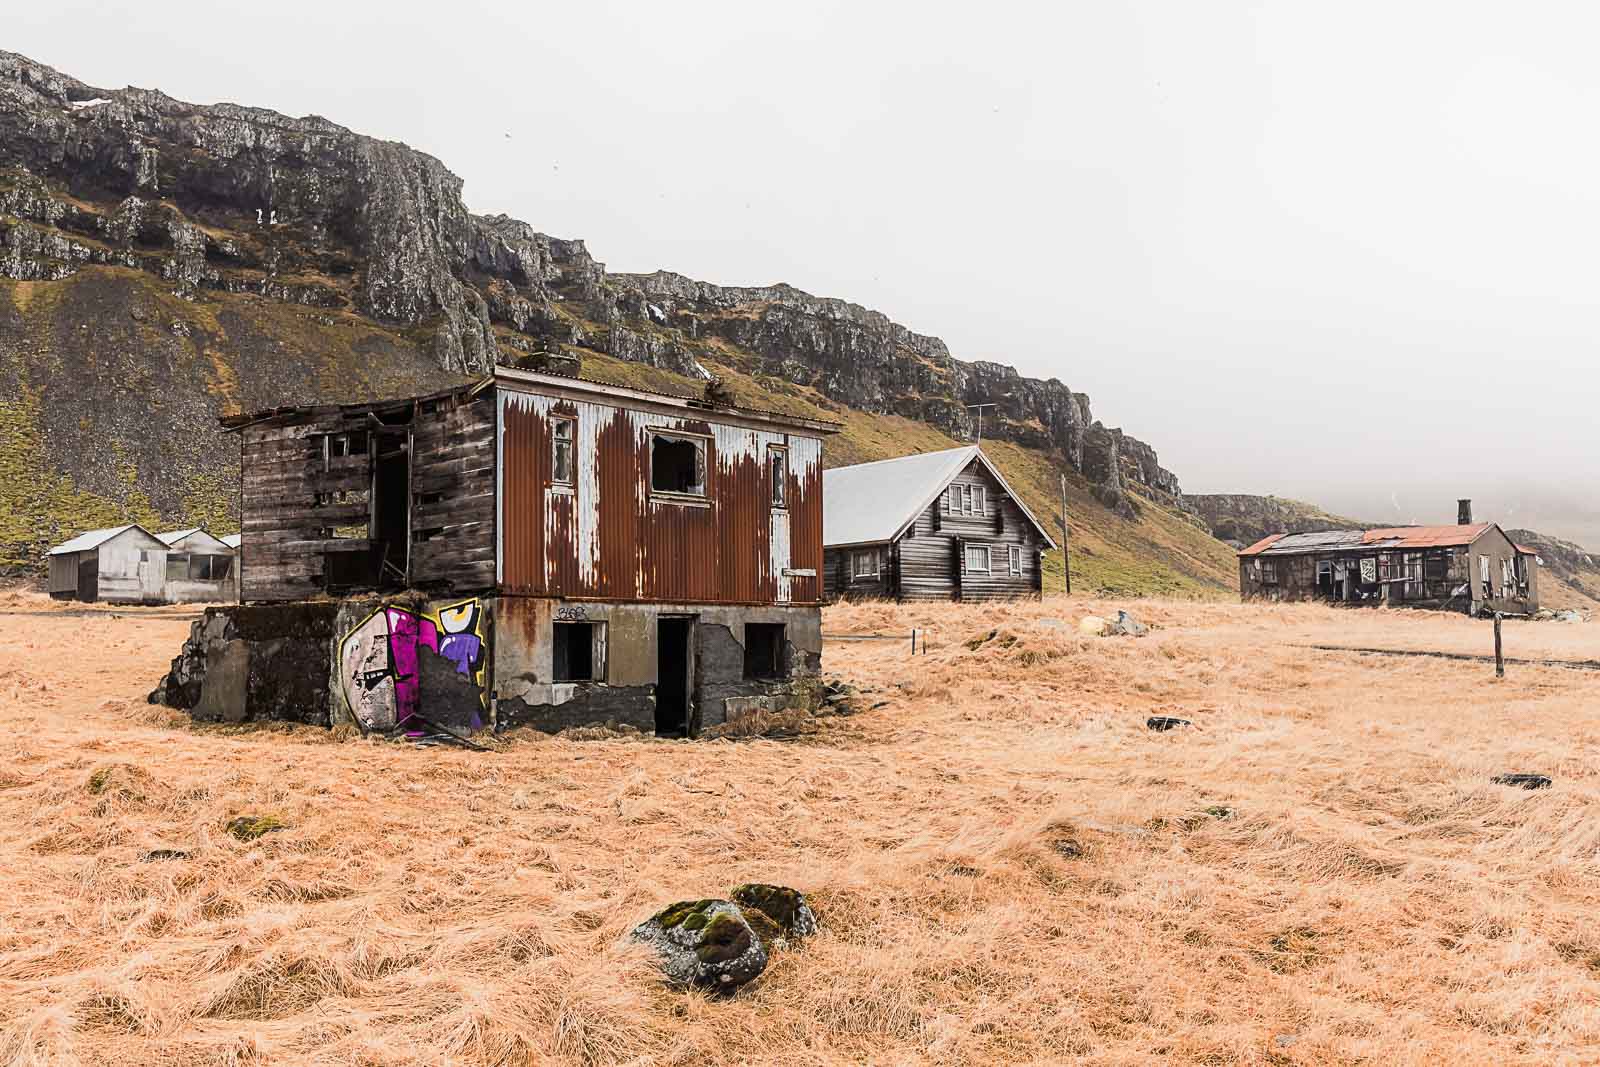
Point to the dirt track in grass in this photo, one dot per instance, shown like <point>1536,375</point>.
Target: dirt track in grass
<point>1008,865</point>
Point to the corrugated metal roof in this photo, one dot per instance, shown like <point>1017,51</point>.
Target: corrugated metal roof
<point>232,540</point>
<point>870,503</point>
<point>95,538</point>
<point>172,537</point>
<point>1427,536</point>
<point>1409,537</point>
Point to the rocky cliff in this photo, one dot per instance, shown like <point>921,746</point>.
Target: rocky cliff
<point>196,260</point>
<point>1242,518</point>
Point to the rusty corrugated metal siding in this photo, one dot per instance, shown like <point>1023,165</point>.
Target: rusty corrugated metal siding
<point>609,538</point>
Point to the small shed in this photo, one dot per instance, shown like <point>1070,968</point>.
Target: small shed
<point>117,565</point>
<point>936,526</point>
<point>200,567</point>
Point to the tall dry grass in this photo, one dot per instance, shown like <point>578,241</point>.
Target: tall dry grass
<point>1009,867</point>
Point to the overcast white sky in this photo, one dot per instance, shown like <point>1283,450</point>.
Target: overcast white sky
<point>1345,252</point>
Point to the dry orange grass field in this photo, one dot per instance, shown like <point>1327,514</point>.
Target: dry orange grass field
<point>1009,867</point>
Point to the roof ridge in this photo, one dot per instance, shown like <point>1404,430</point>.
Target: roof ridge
<point>902,459</point>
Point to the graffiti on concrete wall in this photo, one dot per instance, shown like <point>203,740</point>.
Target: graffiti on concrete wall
<point>380,659</point>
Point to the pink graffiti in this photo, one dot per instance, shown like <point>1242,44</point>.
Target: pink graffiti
<point>407,634</point>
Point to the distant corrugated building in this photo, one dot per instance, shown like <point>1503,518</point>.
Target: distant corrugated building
<point>200,567</point>
<point>131,565</point>
<point>1469,567</point>
<point>935,526</point>
<point>116,565</point>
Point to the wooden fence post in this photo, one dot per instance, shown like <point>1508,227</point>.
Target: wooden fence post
<point>1499,651</point>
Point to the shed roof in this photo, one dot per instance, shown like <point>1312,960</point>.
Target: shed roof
<point>95,538</point>
<point>873,503</point>
<point>233,540</point>
<point>1405,537</point>
<point>172,537</point>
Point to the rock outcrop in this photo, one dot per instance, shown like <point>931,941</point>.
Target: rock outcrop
<point>723,944</point>
<point>1243,519</point>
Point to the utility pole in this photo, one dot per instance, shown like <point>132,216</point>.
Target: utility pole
<point>979,409</point>
<point>1066,554</point>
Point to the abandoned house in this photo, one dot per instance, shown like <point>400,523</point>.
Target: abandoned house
<point>531,549</point>
<point>936,526</point>
<point>1469,567</point>
<point>131,565</point>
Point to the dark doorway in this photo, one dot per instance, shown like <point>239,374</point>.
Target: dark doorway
<point>672,677</point>
<point>391,506</point>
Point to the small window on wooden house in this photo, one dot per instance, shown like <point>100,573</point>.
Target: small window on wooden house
<point>978,561</point>
<point>562,432</point>
<point>765,654</point>
<point>578,652</point>
<point>1014,559</point>
<point>966,500</point>
<point>177,566</point>
<point>1436,567</point>
<point>1269,572</point>
<point>864,563</point>
<point>778,476</point>
<point>678,465</point>
<point>977,500</point>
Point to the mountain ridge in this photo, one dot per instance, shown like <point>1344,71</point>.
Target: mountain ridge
<point>232,258</point>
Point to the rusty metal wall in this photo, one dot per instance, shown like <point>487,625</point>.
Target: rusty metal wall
<point>609,538</point>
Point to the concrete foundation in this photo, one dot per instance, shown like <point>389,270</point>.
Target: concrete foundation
<point>491,662</point>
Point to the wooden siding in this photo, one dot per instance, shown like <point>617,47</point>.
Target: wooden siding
<point>608,536</point>
<point>132,569</point>
<point>452,494</point>
<point>841,583</point>
<point>293,494</point>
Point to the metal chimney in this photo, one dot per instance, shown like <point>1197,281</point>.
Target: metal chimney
<point>1464,512</point>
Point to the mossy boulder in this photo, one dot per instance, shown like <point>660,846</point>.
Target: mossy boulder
<point>250,827</point>
<point>786,908</point>
<point>708,944</point>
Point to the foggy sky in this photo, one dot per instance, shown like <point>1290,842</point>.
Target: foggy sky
<point>1345,253</point>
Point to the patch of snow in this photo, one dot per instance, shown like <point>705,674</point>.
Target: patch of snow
<point>701,371</point>
<point>79,105</point>
<point>657,314</point>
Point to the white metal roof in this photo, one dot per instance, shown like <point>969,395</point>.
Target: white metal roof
<point>232,540</point>
<point>95,538</point>
<point>172,537</point>
<point>871,503</point>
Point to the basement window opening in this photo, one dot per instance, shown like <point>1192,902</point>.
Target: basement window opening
<point>578,652</point>
<point>678,465</point>
<point>765,651</point>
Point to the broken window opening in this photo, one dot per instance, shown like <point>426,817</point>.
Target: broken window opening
<point>341,446</point>
<point>864,563</point>
<point>778,474</point>
<point>578,652</point>
<point>678,465</point>
<point>562,433</point>
<point>1269,572</point>
<point>978,559</point>
<point>765,651</point>
<point>177,566</point>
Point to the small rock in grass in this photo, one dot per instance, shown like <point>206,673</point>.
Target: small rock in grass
<point>157,854</point>
<point>1165,722</point>
<point>250,827</point>
<point>1525,781</point>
